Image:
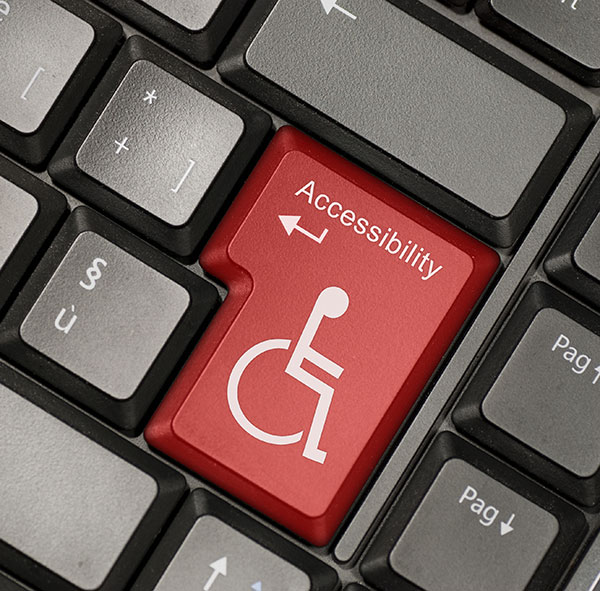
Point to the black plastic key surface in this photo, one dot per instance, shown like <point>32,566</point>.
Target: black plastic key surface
<point>51,52</point>
<point>166,151</point>
<point>29,212</point>
<point>211,545</point>
<point>535,397</point>
<point>573,260</point>
<point>402,89</point>
<point>80,506</point>
<point>106,318</point>
<point>459,5</point>
<point>587,574</point>
<point>7,584</point>
<point>564,32</point>
<point>468,523</point>
<point>195,29</point>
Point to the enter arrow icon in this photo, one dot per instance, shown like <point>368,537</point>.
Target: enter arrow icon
<point>505,526</point>
<point>290,223</point>
<point>329,5</point>
<point>219,569</point>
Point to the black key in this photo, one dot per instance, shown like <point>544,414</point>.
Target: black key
<point>536,396</point>
<point>80,506</point>
<point>486,136</point>
<point>573,260</point>
<point>106,319</point>
<point>466,523</point>
<point>51,52</point>
<point>195,29</point>
<point>7,584</point>
<point>167,150</point>
<point>563,32</point>
<point>214,547</point>
<point>29,211</point>
<point>459,5</point>
<point>587,574</point>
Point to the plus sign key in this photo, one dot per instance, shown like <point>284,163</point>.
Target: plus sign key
<point>343,297</point>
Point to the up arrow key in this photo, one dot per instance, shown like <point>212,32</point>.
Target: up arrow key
<point>219,568</point>
<point>505,526</point>
<point>329,5</point>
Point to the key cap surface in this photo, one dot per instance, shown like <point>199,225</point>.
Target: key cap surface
<point>29,211</point>
<point>51,53</point>
<point>166,151</point>
<point>554,364</point>
<point>367,74</point>
<point>110,315</point>
<point>18,208</point>
<point>33,79</point>
<point>572,262</point>
<point>587,574</point>
<point>211,544</point>
<point>298,422</point>
<point>456,541</point>
<point>76,506</point>
<point>120,305</point>
<point>550,350</point>
<point>562,31</point>
<point>156,118</point>
<point>230,554</point>
<point>195,29</point>
<point>467,523</point>
<point>188,13</point>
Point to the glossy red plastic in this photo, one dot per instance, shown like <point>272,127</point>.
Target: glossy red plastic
<point>343,297</point>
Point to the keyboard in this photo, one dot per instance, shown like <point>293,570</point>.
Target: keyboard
<point>299,295</point>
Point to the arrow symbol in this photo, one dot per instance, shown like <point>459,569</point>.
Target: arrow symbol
<point>257,586</point>
<point>505,526</point>
<point>595,583</point>
<point>329,5</point>
<point>219,568</point>
<point>290,223</point>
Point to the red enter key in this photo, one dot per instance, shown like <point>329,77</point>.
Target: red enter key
<point>343,297</point>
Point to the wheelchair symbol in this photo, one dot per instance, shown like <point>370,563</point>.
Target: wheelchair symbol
<point>331,303</point>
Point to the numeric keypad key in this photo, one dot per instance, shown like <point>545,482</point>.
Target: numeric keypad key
<point>106,318</point>
<point>166,151</point>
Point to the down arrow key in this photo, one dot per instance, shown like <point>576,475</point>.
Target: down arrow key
<point>506,527</point>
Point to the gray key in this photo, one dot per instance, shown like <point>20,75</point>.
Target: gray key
<point>214,555</point>
<point>570,27</point>
<point>470,532</point>
<point>159,143</point>
<point>587,575</point>
<point>191,14</point>
<point>547,394</point>
<point>41,46</point>
<point>586,254</point>
<point>66,502</point>
<point>105,315</point>
<point>17,210</point>
<point>466,125</point>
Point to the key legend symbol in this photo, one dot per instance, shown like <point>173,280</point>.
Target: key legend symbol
<point>331,303</point>
<point>329,5</point>
<point>219,569</point>
<point>290,223</point>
